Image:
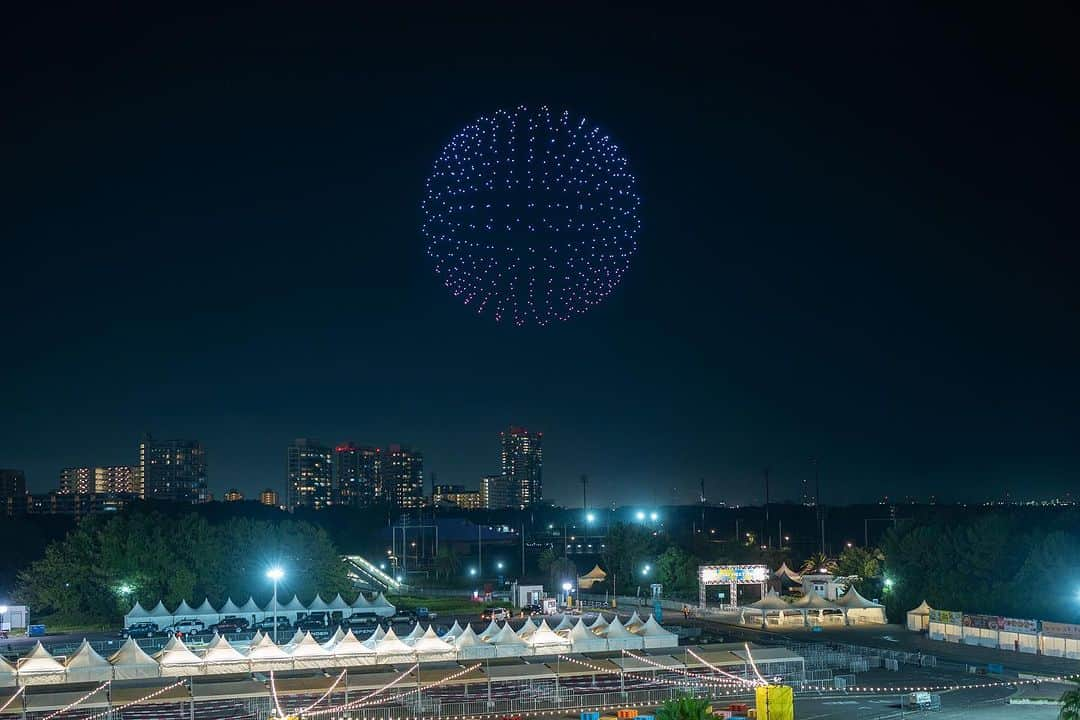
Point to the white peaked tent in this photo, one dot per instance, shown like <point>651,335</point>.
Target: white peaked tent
<point>251,608</point>
<point>599,625</point>
<point>786,577</point>
<point>592,577</point>
<point>291,609</point>
<point>318,604</point>
<point>582,639</point>
<point>490,631</point>
<point>221,658</point>
<point>297,637</point>
<point>131,662</point>
<point>229,608</point>
<point>176,660</point>
<point>308,654</point>
<point>619,638</point>
<point>334,639</point>
<point>507,643</point>
<point>361,603</point>
<point>38,667</point>
<point>470,646</point>
<point>811,603</point>
<point>376,635</point>
<point>255,639</point>
<point>338,604</point>
<point>858,609</point>
<point>7,673</point>
<point>565,624</point>
<point>453,632</point>
<point>546,641</point>
<point>382,606</point>
<point>184,611</point>
<point>350,651</point>
<point>415,634</point>
<point>430,646</point>
<point>655,636</point>
<point>770,604</point>
<point>207,613</point>
<point>265,655</point>
<point>160,615</point>
<point>391,646</point>
<point>919,618</point>
<point>527,628</point>
<point>634,622</point>
<point>137,614</point>
<point>85,665</point>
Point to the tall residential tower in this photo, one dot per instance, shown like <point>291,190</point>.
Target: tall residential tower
<point>309,477</point>
<point>523,464</point>
<point>173,470</point>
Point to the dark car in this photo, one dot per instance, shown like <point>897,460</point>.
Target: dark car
<point>361,622</point>
<point>268,624</point>
<point>403,616</point>
<point>530,610</point>
<point>142,630</point>
<point>230,625</point>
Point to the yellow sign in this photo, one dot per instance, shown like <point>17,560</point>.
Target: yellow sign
<point>775,702</point>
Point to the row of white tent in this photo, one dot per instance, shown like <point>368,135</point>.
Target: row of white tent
<point>220,657</point>
<point>852,608</point>
<point>163,617</point>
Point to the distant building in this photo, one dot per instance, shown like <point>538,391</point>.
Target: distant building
<point>497,492</point>
<point>233,495</point>
<point>12,492</point>
<point>523,463</point>
<point>173,470</point>
<point>357,471</point>
<point>122,479</point>
<point>403,477</point>
<point>455,496</point>
<point>269,497</point>
<point>309,475</point>
<point>78,504</point>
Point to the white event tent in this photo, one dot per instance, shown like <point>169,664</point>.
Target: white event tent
<point>858,609</point>
<point>919,618</point>
<point>655,636</point>
<point>162,617</point>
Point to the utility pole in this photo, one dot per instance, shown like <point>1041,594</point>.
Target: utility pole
<point>584,492</point>
<point>702,505</point>
<point>768,527</point>
<point>817,502</point>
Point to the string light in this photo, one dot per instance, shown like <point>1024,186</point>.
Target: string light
<point>145,698</point>
<point>273,693</point>
<point>325,695</point>
<point>697,680</point>
<point>531,216</point>
<point>85,697</point>
<point>750,657</point>
<point>12,698</point>
<point>357,703</point>
<point>709,665</point>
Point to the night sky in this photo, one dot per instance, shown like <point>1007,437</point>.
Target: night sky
<point>858,232</point>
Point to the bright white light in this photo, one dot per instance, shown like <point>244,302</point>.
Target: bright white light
<point>275,573</point>
<point>3,609</point>
<point>653,516</point>
<point>398,578</point>
<point>382,566</point>
<point>640,515</point>
<point>499,565</point>
<point>472,571</point>
<point>590,517</point>
<point>566,586</point>
<point>645,570</point>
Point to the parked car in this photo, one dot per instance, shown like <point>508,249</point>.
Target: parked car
<point>142,630</point>
<point>188,627</point>
<point>422,613</point>
<point>495,613</point>
<point>403,616</point>
<point>360,622</point>
<point>267,624</point>
<point>230,625</point>
<point>311,623</point>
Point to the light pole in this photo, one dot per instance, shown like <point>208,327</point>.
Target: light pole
<point>275,574</point>
<point>3,612</point>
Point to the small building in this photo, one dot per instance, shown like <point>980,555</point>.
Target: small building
<point>14,617</point>
<point>823,585</point>
<point>522,595</point>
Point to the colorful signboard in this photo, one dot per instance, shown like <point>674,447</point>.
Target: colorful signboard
<point>947,617</point>
<point>732,574</point>
<point>1061,630</point>
<point>1020,625</point>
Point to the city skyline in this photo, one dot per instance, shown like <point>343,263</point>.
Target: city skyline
<point>852,245</point>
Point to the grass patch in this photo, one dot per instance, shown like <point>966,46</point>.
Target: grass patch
<point>62,624</point>
<point>444,605</point>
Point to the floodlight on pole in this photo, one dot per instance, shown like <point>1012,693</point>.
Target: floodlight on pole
<point>275,574</point>
<point>640,515</point>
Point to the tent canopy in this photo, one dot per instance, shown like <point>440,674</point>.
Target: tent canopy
<point>771,601</point>
<point>923,609</point>
<point>176,652</point>
<point>853,600</point>
<point>813,601</point>
<point>338,603</point>
<point>86,658</point>
<point>592,577</point>
<point>39,660</point>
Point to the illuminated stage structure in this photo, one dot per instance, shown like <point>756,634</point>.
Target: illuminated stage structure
<point>733,576</point>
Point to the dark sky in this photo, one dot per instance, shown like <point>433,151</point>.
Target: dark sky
<point>858,244</point>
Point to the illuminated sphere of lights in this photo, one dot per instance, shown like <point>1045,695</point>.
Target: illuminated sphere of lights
<point>531,216</point>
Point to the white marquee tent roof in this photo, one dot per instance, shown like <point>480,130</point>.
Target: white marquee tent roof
<point>38,660</point>
<point>131,662</point>
<point>923,609</point>
<point>229,608</point>
<point>771,601</point>
<point>853,600</point>
<point>176,653</point>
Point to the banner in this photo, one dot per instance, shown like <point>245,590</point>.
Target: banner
<point>1061,630</point>
<point>984,622</point>
<point>1020,625</point>
<point>947,617</point>
<point>728,574</point>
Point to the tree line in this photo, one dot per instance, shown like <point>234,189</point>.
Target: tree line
<point>107,562</point>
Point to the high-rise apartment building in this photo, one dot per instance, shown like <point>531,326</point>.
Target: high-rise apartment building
<point>233,495</point>
<point>309,475</point>
<point>173,470</point>
<point>357,472</point>
<point>117,479</point>
<point>12,492</point>
<point>497,492</point>
<point>269,497</point>
<point>523,463</point>
<point>402,475</point>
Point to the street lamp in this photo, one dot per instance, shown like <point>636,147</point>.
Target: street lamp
<point>275,574</point>
<point>653,516</point>
<point>499,565</point>
<point>640,515</point>
<point>472,571</point>
<point>590,518</point>
<point>645,570</point>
